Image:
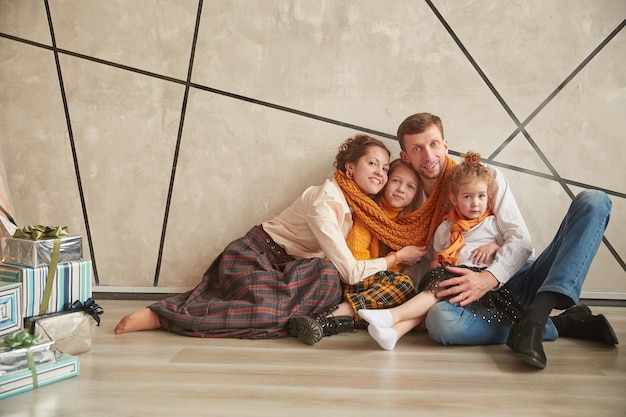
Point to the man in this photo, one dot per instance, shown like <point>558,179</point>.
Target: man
<point>551,281</point>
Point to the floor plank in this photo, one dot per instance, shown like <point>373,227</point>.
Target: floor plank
<point>160,374</point>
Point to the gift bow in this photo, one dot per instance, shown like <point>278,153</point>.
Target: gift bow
<point>19,340</point>
<point>90,307</point>
<point>22,339</point>
<point>38,232</point>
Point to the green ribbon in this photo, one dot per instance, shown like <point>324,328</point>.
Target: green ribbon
<point>39,232</point>
<point>19,339</point>
<point>22,339</point>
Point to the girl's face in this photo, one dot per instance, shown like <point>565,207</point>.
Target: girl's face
<point>472,199</point>
<point>370,171</point>
<point>402,187</point>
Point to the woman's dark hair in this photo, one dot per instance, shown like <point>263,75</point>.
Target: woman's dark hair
<point>354,148</point>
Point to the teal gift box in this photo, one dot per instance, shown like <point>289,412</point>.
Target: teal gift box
<point>36,253</point>
<point>65,366</point>
<point>72,281</point>
<point>11,318</point>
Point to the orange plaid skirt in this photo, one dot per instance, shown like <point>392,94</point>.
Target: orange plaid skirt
<point>384,289</point>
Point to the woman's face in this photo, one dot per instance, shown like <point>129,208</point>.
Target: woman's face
<point>370,171</point>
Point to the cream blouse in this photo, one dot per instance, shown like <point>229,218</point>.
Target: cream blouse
<point>317,225</point>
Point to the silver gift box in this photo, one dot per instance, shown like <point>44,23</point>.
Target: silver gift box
<point>35,253</point>
<point>15,360</point>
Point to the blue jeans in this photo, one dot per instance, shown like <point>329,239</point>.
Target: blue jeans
<point>562,268</point>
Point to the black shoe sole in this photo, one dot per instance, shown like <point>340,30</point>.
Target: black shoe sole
<point>529,360</point>
<point>306,329</point>
<point>608,334</point>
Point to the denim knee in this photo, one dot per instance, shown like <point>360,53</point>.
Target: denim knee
<point>454,325</point>
<point>594,199</point>
<point>440,323</point>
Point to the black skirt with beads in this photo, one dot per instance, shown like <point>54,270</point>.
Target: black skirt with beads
<point>499,305</point>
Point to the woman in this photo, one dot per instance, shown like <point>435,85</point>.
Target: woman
<point>288,266</point>
<point>384,289</point>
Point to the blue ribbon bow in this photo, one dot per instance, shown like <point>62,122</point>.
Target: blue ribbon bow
<point>90,307</point>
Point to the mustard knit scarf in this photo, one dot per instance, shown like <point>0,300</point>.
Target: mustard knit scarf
<point>361,241</point>
<point>416,228</point>
<point>459,225</point>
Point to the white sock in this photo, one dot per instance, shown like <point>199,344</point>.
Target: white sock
<point>385,336</point>
<point>381,318</point>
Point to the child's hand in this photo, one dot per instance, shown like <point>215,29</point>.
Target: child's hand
<point>484,254</point>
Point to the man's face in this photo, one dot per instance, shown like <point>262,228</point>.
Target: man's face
<point>426,151</point>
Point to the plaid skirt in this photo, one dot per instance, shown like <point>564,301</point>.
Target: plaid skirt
<point>250,291</point>
<point>384,289</point>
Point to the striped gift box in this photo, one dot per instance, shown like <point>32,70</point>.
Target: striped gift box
<point>72,282</point>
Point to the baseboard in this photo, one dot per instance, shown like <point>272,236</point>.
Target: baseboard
<point>134,293</point>
<point>603,295</point>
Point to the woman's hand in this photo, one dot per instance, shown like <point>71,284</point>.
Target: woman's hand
<point>410,255</point>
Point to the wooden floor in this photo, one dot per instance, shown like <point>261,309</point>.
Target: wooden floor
<point>154,373</point>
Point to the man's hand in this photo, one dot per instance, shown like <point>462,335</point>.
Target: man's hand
<point>468,287</point>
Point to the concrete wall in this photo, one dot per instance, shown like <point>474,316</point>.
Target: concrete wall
<point>162,130</point>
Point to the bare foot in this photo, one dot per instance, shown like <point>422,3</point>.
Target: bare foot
<point>144,319</point>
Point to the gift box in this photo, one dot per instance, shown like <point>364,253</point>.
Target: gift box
<point>10,273</point>
<point>72,281</point>
<point>36,253</point>
<point>16,360</point>
<point>65,366</point>
<point>10,307</point>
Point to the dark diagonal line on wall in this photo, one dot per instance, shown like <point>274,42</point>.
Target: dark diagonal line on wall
<point>178,141</point>
<point>72,145</point>
<point>293,111</point>
<point>499,97</point>
<point>560,87</point>
<point>551,96</point>
<point>472,61</point>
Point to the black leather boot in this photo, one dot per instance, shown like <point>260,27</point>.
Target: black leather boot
<point>525,338</point>
<point>577,322</point>
<point>310,330</point>
<point>292,327</point>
